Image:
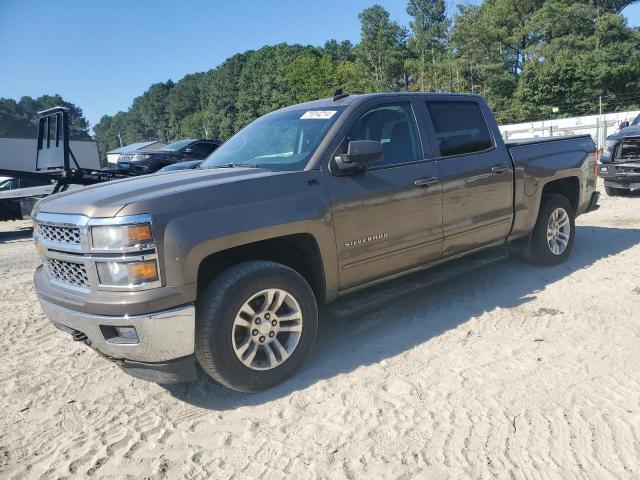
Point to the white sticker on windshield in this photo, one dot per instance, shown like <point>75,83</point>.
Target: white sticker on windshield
<point>318,114</point>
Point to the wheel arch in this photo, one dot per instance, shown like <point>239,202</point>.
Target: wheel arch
<point>299,251</point>
<point>568,187</point>
<point>528,206</point>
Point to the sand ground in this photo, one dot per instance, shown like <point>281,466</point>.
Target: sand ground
<point>512,372</point>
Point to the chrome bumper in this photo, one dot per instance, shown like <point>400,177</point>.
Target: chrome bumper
<point>162,336</point>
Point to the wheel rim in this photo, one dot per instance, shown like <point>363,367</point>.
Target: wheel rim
<point>558,231</point>
<point>267,329</point>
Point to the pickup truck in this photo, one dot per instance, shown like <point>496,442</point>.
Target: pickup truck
<point>227,265</point>
<point>620,162</point>
<point>19,195</point>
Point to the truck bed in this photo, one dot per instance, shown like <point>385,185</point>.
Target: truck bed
<point>541,160</point>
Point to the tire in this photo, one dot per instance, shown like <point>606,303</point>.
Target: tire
<point>539,251</point>
<point>221,331</point>
<point>615,192</point>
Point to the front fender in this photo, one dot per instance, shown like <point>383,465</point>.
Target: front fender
<point>191,226</point>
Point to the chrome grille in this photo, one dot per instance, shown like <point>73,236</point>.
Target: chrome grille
<point>59,234</point>
<point>628,151</point>
<point>67,272</point>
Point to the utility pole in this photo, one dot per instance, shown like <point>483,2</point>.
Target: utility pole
<point>600,103</point>
<point>599,142</point>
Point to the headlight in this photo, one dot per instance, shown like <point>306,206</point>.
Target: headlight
<point>609,145</point>
<point>138,157</point>
<point>130,274</point>
<point>122,237</point>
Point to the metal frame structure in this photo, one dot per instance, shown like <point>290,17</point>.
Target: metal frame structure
<point>54,157</point>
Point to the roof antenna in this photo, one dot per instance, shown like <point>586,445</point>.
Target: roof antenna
<point>339,94</point>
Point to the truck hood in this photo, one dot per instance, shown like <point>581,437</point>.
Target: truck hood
<point>632,131</point>
<point>107,199</point>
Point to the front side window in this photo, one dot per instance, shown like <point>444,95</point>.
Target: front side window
<point>282,140</point>
<point>394,126</point>
<point>460,127</point>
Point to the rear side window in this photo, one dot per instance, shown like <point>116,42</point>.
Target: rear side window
<point>460,127</point>
<point>202,149</point>
<point>30,182</point>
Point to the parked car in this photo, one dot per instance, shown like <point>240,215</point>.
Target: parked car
<point>181,166</point>
<point>620,163</point>
<point>149,161</point>
<point>18,195</point>
<point>226,265</point>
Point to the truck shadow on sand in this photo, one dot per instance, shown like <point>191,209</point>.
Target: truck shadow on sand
<point>344,344</point>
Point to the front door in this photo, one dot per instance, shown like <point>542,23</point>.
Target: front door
<point>477,177</point>
<point>389,217</point>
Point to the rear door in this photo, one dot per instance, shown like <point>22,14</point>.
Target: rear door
<point>477,176</point>
<point>389,217</point>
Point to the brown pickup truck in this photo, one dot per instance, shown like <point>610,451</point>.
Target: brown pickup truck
<point>226,265</point>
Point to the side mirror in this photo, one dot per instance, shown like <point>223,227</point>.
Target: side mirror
<point>624,124</point>
<point>360,153</point>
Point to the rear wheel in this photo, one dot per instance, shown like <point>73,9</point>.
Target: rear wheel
<point>256,323</point>
<point>615,192</point>
<point>553,235</point>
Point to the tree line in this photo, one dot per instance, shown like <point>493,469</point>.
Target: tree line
<point>20,119</point>
<point>531,59</point>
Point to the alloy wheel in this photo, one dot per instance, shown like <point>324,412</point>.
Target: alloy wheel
<point>267,329</point>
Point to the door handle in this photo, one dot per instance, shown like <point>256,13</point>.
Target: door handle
<point>426,182</point>
<point>500,169</point>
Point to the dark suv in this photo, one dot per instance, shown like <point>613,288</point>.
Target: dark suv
<point>149,161</point>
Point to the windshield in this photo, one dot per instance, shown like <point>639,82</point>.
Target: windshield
<point>177,145</point>
<point>282,140</point>
<point>636,121</point>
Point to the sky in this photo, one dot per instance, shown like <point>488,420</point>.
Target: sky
<point>100,55</point>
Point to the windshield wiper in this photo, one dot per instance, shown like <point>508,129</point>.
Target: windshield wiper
<point>246,165</point>
<point>230,165</point>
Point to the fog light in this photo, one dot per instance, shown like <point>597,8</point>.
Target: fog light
<point>127,333</point>
<point>120,335</point>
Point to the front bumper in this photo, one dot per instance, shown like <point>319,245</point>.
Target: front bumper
<point>164,344</point>
<point>621,175</point>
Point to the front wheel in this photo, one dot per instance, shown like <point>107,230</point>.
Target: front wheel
<point>553,235</point>
<point>256,323</point>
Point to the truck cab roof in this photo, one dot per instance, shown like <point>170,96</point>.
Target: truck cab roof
<point>359,98</point>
